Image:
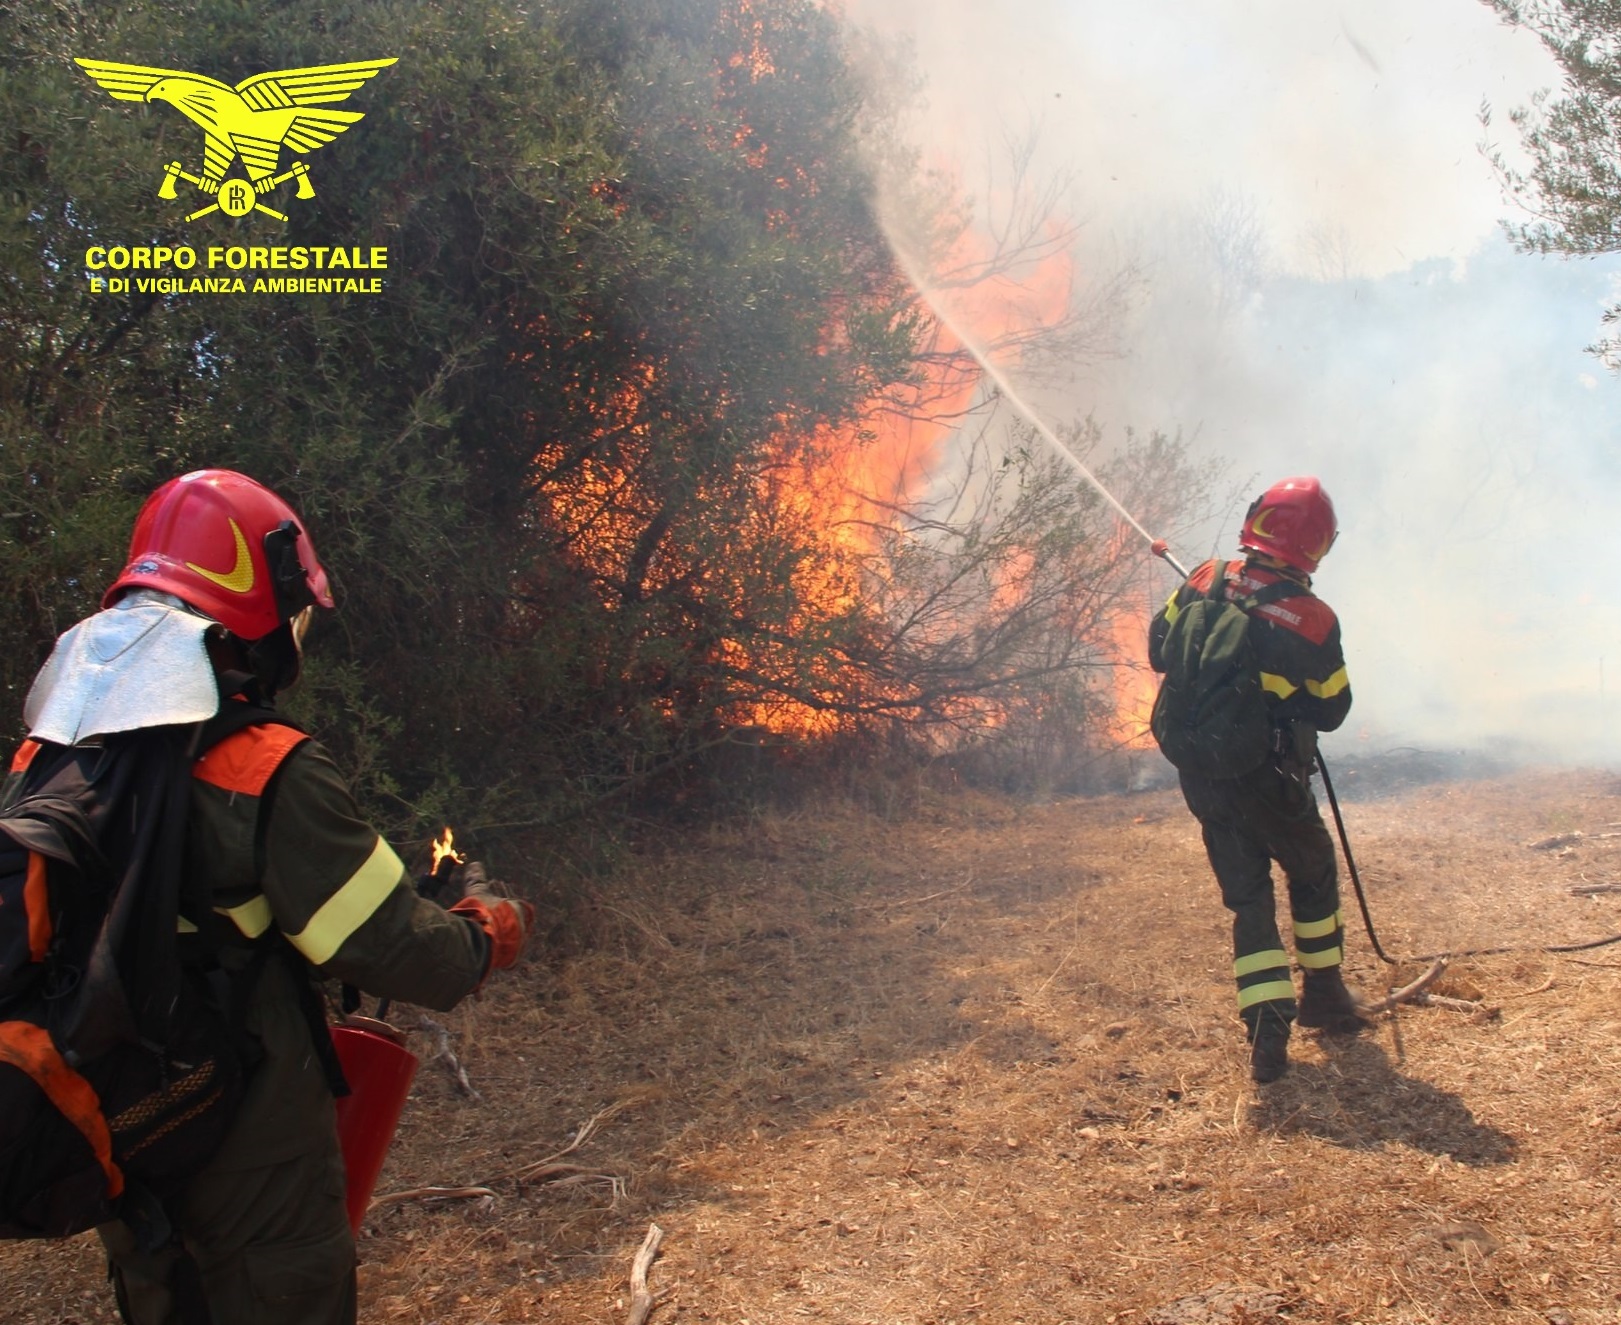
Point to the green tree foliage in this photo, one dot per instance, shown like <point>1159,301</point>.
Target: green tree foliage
<point>1573,189</point>
<point>578,472</point>
<point>631,258</point>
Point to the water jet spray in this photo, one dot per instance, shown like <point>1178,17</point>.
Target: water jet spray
<point>1158,546</point>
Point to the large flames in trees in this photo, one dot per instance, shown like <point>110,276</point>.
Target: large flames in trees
<point>775,493</point>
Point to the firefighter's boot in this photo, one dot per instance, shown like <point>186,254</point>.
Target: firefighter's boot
<point>1327,1005</point>
<point>1269,1047</point>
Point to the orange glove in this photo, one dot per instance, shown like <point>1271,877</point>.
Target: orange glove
<point>506,921</point>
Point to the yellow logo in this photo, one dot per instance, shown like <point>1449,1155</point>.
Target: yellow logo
<point>239,579</point>
<point>253,120</point>
<point>1258,524</point>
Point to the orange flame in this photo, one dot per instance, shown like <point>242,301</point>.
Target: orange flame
<point>853,486</point>
<point>839,493</point>
<point>445,846</point>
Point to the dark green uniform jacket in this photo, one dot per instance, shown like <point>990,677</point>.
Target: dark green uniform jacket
<point>291,863</point>
<point>1269,814</point>
<point>1297,640</point>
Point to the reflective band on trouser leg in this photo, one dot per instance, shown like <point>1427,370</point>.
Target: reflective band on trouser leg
<point>1270,991</point>
<point>1263,977</point>
<point>1320,944</point>
<point>28,1048</point>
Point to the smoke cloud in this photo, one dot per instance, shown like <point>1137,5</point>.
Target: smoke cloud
<point>1321,286</point>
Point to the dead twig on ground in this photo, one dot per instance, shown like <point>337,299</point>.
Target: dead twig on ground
<point>642,1298</point>
<point>547,1170</point>
<point>1479,1011</point>
<point>1407,993</point>
<point>1593,889</point>
<point>1568,840</point>
<point>429,1194</point>
<point>544,1170</point>
<point>443,1050</point>
<point>917,901</point>
<point>1557,840</point>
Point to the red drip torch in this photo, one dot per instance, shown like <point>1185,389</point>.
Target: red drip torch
<point>379,1070</point>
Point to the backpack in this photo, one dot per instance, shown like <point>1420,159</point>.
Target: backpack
<point>1210,716</point>
<point>123,1056</point>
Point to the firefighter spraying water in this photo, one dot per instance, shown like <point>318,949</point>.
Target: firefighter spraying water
<point>1254,670</point>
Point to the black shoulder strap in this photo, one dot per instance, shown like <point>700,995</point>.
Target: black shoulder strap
<point>1273,593</point>
<point>1217,592</point>
<point>234,715</point>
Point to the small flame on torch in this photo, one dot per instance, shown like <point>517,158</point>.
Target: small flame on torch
<point>445,849</point>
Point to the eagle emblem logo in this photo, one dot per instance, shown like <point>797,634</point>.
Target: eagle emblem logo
<point>252,120</point>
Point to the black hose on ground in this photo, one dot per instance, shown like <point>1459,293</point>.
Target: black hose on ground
<point>1367,919</point>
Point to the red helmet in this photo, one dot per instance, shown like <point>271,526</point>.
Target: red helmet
<point>1292,520</point>
<point>227,546</point>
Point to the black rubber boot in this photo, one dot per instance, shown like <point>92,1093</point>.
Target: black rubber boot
<point>1269,1048</point>
<point>1327,1005</point>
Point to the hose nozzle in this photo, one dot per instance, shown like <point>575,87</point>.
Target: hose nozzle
<point>1160,548</point>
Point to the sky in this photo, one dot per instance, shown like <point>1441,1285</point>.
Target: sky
<point>1322,285</point>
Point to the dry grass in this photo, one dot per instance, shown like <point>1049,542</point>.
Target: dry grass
<point>980,1065</point>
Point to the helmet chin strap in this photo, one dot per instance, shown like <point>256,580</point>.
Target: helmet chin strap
<point>260,669</point>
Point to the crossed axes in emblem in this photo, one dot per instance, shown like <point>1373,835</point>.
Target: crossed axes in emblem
<point>297,171</point>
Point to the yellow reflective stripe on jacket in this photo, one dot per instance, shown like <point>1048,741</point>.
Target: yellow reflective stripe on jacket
<point>1318,929</point>
<point>1331,687</point>
<point>351,906</point>
<point>1271,991</point>
<point>1277,685</point>
<point>1172,611</point>
<point>252,917</point>
<point>1260,961</point>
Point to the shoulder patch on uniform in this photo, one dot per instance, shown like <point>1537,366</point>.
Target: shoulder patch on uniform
<point>1205,575</point>
<point>1307,616</point>
<point>246,760</point>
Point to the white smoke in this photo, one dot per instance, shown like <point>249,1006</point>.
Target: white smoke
<point>1326,290</point>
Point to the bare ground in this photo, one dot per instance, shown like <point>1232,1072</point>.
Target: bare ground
<point>976,1061</point>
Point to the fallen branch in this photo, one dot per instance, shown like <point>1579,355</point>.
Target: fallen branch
<point>642,1299</point>
<point>1557,840</point>
<point>430,1194</point>
<point>443,1050</point>
<point>1480,1011</point>
<point>1407,993</point>
<point>1592,889</point>
<point>540,1169</point>
<point>547,1170</point>
<point>1568,839</point>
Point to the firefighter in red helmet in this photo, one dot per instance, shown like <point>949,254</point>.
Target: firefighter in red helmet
<point>210,611</point>
<point>1269,814</point>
